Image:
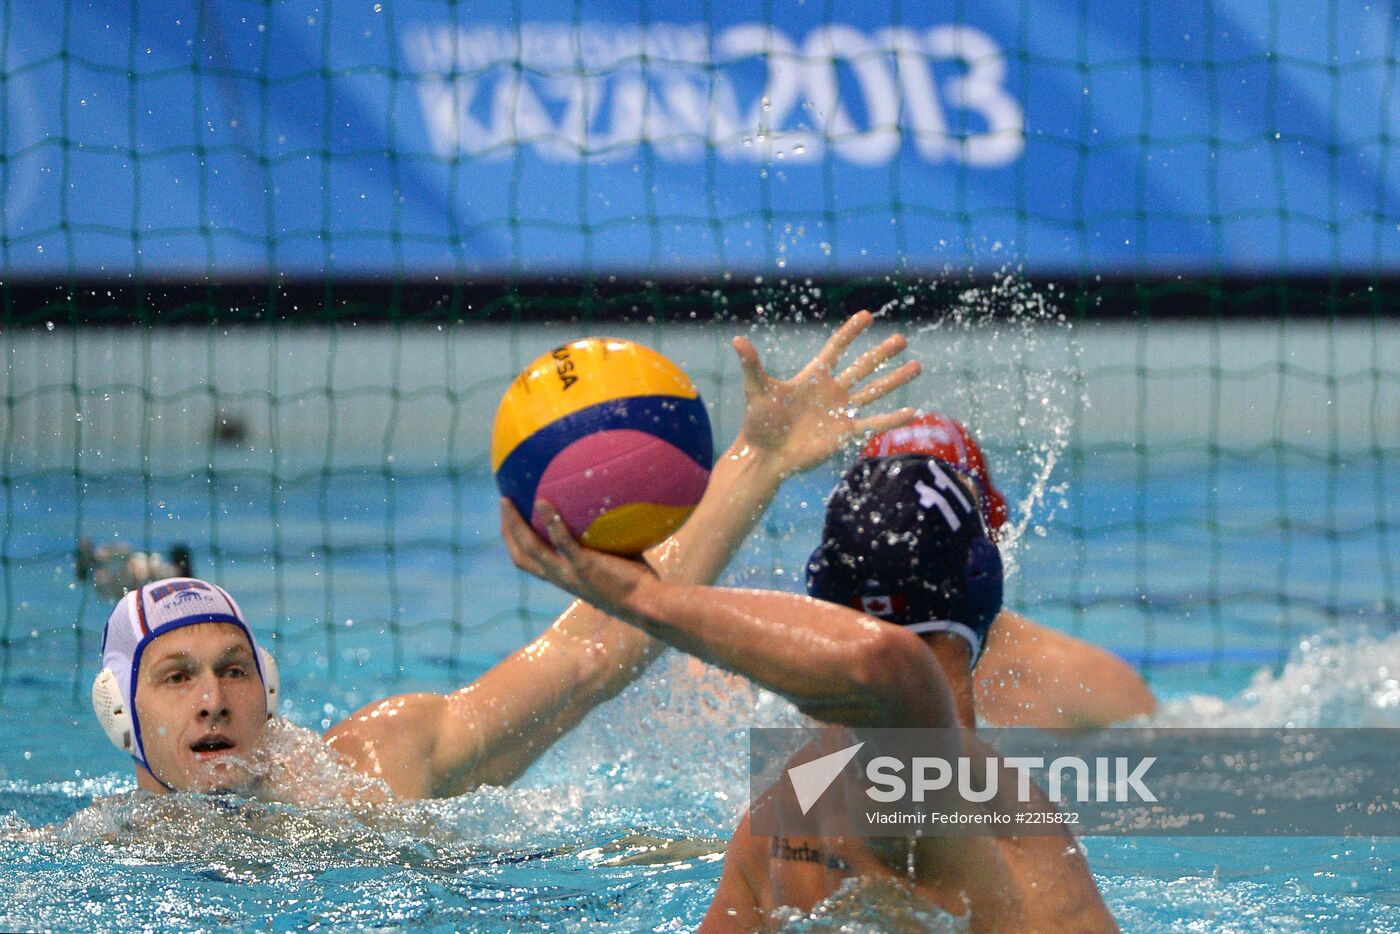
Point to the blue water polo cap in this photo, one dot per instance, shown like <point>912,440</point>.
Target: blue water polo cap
<point>904,541</point>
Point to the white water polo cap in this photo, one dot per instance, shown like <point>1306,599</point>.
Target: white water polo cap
<point>143,615</point>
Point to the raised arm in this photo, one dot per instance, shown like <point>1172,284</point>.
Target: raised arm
<point>835,664</point>
<point>427,745</point>
<point>790,426</point>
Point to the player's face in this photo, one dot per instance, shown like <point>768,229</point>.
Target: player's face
<point>201,706</point>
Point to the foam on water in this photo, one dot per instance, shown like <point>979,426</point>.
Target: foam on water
<point>1340,678</point>
<point>611,798</point>
<point>321,844</point>
<point>1203,904</point>
<point>871,906</point>
<point>679,737</point>
<point>638,803</point>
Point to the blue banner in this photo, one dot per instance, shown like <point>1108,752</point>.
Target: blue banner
<point>409,137</point>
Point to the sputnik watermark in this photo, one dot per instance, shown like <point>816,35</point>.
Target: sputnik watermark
<point>886,782</point>
<point>1118,779</point>
<point>811,779</point>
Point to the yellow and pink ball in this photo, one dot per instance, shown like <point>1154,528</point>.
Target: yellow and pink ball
<point>611,433</point>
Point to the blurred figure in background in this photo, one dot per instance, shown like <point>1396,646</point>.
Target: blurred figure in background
<point>116,569</point>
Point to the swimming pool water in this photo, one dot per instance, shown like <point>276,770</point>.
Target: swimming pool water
<point>620,826</point>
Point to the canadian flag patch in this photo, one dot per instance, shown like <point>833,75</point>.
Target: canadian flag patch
<point>881,604</point>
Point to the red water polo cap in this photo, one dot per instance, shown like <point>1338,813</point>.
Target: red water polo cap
<point>945,438</point>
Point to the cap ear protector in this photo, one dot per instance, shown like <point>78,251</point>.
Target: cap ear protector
<point>112,712</point>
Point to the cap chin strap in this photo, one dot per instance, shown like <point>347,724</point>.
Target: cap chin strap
<point>112,712</point>
<point>958,629</point>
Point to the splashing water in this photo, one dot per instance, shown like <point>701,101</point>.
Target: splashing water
<point>1341,678</point>
<point>622,824</point>
<point>1004,361</point>
<point>1000,357</point>
<point>871,906</point>
<point>294,766</point>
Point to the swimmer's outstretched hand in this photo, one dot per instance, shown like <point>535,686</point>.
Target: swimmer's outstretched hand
<point>800,422</point>
<point>606,581</point>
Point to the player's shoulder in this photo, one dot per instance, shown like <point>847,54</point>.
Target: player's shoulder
<point>749,852</point>
<point>399,716</point>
